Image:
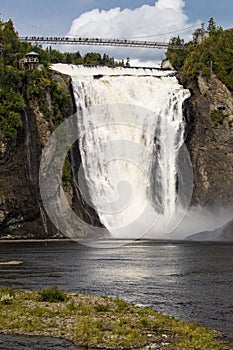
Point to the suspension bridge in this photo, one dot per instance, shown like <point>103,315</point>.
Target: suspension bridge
<point>100,42</point>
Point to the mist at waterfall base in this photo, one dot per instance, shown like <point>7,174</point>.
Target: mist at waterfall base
<point>136,172</point>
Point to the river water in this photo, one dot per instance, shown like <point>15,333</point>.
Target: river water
<point>192,281</point>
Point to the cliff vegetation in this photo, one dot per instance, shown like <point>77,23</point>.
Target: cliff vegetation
<point>213,55</point>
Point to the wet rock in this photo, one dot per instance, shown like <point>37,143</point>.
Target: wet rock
<point>35,343</point>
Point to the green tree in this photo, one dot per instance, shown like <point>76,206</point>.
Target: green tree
<point>214,54</point>
<point>175,55</point>
<point>92,58</point>
<point>211,26</point>
<point>11,81</point>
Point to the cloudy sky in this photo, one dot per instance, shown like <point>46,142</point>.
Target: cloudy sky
<point>146,19</point>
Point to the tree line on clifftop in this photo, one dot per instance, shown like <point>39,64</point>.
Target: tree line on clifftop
<point>213,55</point>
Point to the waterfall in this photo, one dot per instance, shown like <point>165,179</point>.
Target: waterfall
<point>44,219</point>
<point>32,177</point>
<point>131,129</point>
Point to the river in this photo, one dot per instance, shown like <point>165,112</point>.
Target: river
<point>191,281</point>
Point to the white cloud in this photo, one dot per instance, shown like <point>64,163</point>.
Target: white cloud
<point>164,16</point>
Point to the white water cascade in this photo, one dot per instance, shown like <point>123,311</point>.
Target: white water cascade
<point>131,131</point>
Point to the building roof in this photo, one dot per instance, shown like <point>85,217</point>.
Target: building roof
<point>32,53</point>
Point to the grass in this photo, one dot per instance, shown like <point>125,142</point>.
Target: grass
<point>100,322</point>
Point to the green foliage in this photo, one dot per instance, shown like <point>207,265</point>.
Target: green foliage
<point>90,58</point>
<point>223,58</point>
<point>144,322</point>
<point>51,295</point>
<point>18,85</point>
<point>53,98</point>
<point>213,29</point>
<point>214,54</point>
<point>198,62</point>
<point>11,82</point>
<point>62,102</point>
<point>11,106</point>
<point>36,84</point>
<point>121,305</point>
<point>217,117</point>
<point>176,56</point>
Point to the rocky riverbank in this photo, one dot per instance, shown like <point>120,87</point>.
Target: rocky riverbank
<point>99,322</point>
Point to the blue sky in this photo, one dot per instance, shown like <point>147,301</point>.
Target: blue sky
<point>55,17</point>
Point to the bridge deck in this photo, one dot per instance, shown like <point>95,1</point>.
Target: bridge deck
<point>100,42</point>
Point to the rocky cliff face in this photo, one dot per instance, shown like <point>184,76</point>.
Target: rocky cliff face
<point>210,141</point>
<point>21,211</point>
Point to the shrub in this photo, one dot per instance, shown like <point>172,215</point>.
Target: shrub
<point>51,295</point>
<point>144,322</point>
<point>217,117</point>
